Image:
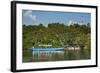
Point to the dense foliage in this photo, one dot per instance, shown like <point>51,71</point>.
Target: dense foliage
<point>57,35</point>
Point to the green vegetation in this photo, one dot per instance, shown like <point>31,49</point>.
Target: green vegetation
<point>57,34</point>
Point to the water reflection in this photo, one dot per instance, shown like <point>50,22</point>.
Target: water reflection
<point>47,54</point>
<point>53,55</point>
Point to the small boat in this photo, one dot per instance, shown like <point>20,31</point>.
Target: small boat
<point>47,50</point>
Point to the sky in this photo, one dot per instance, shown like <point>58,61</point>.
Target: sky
<point>33,17</point>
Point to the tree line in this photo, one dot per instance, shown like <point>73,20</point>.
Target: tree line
<point>56,34</point>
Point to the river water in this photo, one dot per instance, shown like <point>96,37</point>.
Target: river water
<point>37,56</point>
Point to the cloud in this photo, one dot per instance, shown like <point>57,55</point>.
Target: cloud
<point>30,15</point>
<point>75,22</point>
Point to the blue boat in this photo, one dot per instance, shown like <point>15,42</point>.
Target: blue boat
<point>47,50</point>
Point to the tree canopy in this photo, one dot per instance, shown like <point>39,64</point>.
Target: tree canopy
<point>57,34</point>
